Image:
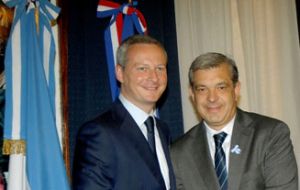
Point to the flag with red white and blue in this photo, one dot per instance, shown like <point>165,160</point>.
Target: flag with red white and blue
<point>125,21</point>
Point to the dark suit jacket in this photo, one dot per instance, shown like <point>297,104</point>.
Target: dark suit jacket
<point>112,153</point>
<point>266,160</point>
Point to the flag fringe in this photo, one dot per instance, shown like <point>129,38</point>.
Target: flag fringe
<point>13,147</point>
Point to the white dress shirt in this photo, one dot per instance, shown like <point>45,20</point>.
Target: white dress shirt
<point>140,117</point>
<point>226,144</point>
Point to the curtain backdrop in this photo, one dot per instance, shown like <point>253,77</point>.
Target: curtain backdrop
<point>262,36</point>
<point>88,83</point>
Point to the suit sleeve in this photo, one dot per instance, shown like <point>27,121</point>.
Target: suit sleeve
<point>280,169</point>
<point>94,155</point>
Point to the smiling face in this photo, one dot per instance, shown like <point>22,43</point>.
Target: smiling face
<point>144,78</point>
<point>214,95</point>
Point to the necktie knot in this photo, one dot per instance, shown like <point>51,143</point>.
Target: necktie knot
<point>219,139</point>
<point>150,124</point>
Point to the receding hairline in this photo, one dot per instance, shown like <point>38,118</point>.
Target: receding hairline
<point>213,60</point>
<point>137,40</point>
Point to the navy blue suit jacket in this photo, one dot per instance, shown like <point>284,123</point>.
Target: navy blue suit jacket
<point>112,153</point>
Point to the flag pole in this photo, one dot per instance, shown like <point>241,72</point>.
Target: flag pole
<point>63,41</point>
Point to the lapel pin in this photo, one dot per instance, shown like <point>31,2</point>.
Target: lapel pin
<point>236,149</point>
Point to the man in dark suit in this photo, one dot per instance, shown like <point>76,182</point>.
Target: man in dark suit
<point>230,148</point>
<point>117,150</point>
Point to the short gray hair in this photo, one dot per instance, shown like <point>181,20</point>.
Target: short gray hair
<point>212,60</point>
<point>136,39</point>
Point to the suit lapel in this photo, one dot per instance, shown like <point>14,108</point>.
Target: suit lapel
<point>242,136</point>
<point>202,159</point>
<point>138,142</point>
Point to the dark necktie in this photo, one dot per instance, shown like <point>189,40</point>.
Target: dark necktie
<point>150,133</point>
<point>220,160</point>
<point>151,140</point>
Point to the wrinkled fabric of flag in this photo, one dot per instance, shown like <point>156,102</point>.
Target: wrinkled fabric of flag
<point>125,21</point>
<point>30,134</point>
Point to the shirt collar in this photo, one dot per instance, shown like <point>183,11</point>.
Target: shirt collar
<point>227,128</point>
<point>136,113</point>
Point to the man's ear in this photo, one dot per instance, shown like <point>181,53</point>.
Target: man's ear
<point>191,94</point>
<point>237,90</point>
<point>119,73</point>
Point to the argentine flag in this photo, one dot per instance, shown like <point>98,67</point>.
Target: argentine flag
<point>30,133</point>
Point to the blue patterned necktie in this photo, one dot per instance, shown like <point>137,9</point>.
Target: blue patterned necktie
<point>220,161</point>
<point>150,133</point>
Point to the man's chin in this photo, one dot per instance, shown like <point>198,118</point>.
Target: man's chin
<point>213,120</point>
<point>151,100</point>
<point>151,97</point>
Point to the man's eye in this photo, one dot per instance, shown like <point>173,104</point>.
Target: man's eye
<point>142,68</point>
<point>200,89</point>
<point>222,87</point>
<point>161,68</point>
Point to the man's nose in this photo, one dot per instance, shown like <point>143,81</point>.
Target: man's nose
<point>212,95</point>
<point>153,75</point>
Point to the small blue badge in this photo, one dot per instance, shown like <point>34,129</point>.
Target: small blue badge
<point>236,150</point>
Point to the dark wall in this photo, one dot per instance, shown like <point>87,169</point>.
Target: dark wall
<point>88,85</point>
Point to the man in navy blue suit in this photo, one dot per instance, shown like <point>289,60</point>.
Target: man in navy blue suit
<point>113,151</point>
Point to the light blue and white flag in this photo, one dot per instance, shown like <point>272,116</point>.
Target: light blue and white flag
<point>30,134</point>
